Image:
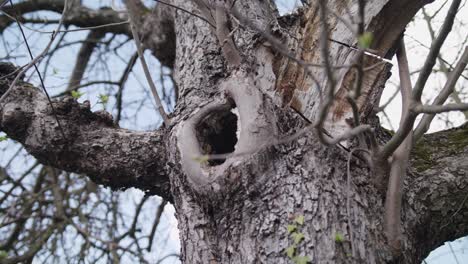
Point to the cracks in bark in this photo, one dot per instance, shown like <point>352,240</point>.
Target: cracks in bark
<point>377,79</point>
<point>217,15</point>
<point>94,145</point>
<point>224,35</point>
<point>435,206</point>
<point>257,121</point>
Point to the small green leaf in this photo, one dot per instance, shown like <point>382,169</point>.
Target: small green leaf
<point>76,94</point>
<point>103,99</point>
<point>301,259</point>
<point>3,138</point>
<point>297,237</point>
<point>291,228</point>
<point>299,220</point>
<point>365,40</point>
<point>339,238</point>
<point>3,254</point>
<point>290,251</point>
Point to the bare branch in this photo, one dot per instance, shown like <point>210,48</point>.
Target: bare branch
<point>121,83</point>
<point>206,11</point>
<point>331,82</point>
<point>83,57</point>
<point>435,50</point>
<point>133,21</point>
<point>157,219</point>
<point>35,61</point>
<point>449,87</point>
<point>400,157</point>
<point>188,12</point>
<point>436,109</point>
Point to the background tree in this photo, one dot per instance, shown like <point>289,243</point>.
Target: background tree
<point>313,176</point>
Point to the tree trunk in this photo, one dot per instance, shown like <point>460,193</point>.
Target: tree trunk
<point>273,201</point>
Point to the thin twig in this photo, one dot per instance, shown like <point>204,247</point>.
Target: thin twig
<point>435,50</point>
<point>68,30</point>
<point>330,139</point>
<point>34,61</point>
<point>186,11</point>
<point>437,109</point>
<point>157,99</point>
<point>331,83</point>
<point>453,253</point>
<point>4,3</point>
<point>390,99</point>
<point>157,219</point>
<point>278,46</point>
<point>449,87</point>
<point>450,65</point>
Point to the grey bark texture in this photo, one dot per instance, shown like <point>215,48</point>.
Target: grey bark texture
<point>239,211</point>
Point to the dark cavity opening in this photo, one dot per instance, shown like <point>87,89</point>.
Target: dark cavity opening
<point>216,134</point>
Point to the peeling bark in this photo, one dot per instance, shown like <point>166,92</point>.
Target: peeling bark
<point>299,90</point>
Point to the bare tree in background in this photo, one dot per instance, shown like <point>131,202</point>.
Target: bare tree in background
<point>53,216</point>
<point>273,153</point>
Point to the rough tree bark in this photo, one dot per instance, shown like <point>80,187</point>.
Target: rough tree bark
<point>237,210</point>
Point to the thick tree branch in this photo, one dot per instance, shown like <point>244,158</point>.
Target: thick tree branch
<point>437,189</point>
<point>93,145</point>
